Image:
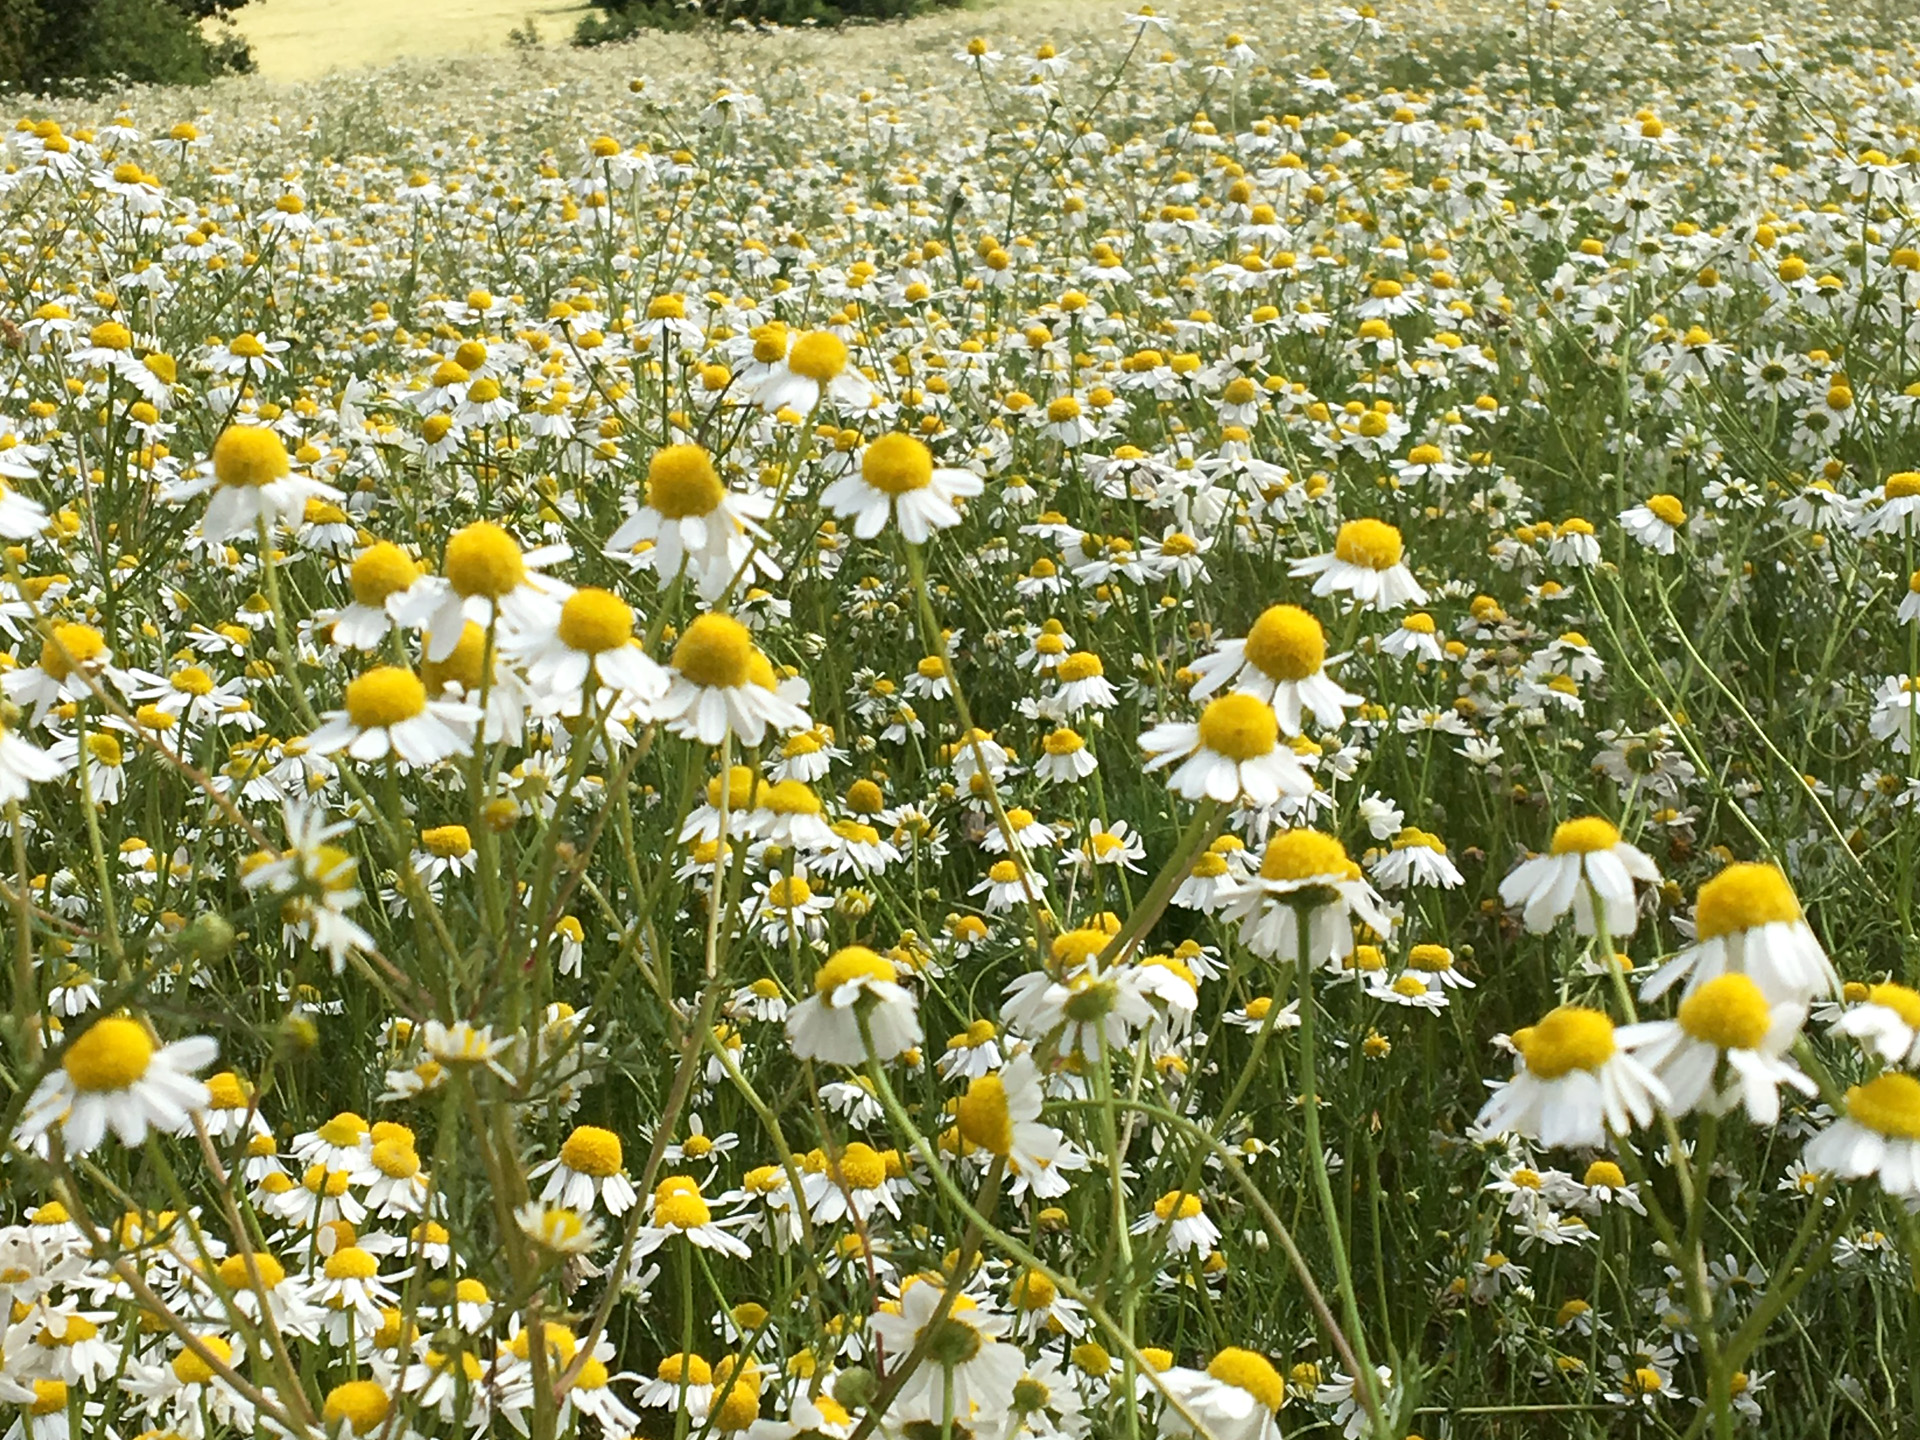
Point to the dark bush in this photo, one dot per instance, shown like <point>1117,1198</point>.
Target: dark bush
<point>617,19</point>
<point>82,44</point>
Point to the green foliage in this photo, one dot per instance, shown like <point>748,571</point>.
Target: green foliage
<point>53,45</point>
<point>620,18</point>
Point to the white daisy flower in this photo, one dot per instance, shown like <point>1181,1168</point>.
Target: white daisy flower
<point>1747,921</point>
<point>1879,1135</point>
<point>1304,868</point>
<point>719,682</point>
<point>112,1076</point>
<point>1728,1018</point>
<point>1237,1397</point>
<point>387,712</point>
<point>1282,661</point>
<point>854,982</point>
<point>1587,861</point>
<point>898,479</point>
<point>1232,752</point>
<point>1572,1084</point>
<point>1364,563</point>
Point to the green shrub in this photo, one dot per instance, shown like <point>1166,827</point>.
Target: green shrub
<point>618,19</point>
<point>56,45</point>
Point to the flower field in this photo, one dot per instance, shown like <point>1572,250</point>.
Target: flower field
<point>1063,722</point>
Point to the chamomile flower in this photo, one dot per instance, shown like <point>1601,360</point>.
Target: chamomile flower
<point>588,1170</point>
<point>1586,864</point>
<point>1304,874</point>
<point>1885,1019</point>
<point>1748,921</point>
<point>720,682</point>
<point>1232,752</point>
<point>690,519</point>
<point>591,636</point>
<point>1879,1135</point>
<point>1573,1084</point>
<point>1728,1019</point>
<point>897,479</point>
<point>252,480</point>
<point>1237,1397</point>
<point>114,1076</point>
<point>388,713</point>
<point>1283,662</point>
<point>854,985</point>
<point>1365,562</point>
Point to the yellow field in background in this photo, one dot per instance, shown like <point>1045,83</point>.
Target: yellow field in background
<point>303,39</point>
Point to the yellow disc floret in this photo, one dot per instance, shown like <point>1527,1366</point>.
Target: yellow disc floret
<point>1569,1038</point>
<point>484,561</point>
<point>896,464</point>
<point>385,695</point>
<point>1741,897</point>
<point>1251,1372</point>
<point>1728,1011</point>
<point>1370,544</point>
<point>589,1150</point>
<point>681,481</point>
<point>1286,643</point>
<point>1240,727</point>
<point>1888,1105</point>
<point>593,620</point>
<point>246,457</point>
<point>1584,836</point>
<point>112,1055</point>
<point>716,652</point>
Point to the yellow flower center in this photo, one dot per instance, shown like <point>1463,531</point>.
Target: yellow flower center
<point>1084,665</point>
<point>1668,508</point>
<point>112,1055</point>
<point>856,962</point>
<point>449,842</point>
<point>819,355</point>
<point>192,681</point>
<point>1431,958</point>
<point>246,457</point>
<point>1371,544</point>
<point>1250,1372</point>
<point>1240,727</point>
<point>1584,836</point>
<point>1887,1105</point>
<point>381,570</point>
<point>590,1150</point>
<point>396,1159</point>
<point>1902,485</point>
<point>190,1369</point>
<point>1286,643</point>
<point>896,464</point>
<point>594,620</point>
<point>82,645</point>
<point>49,1397</point>
<point>1177,1205</point>
<point>350,1262</point>
<point>681,481</point>
<point>1741,897</point>
<point>1567,1039</point>
<point>1728,1011</point>
<point>677,1205</point>
<point>483,560</point>
<point>385,695</point>
<point>1305,855</point>
<point>344,1129</point>
<point>862,1167</point>
<point>715,652</point>
<point>984,1118</point>
<point>234,1275</point>
<point>363,1404</point>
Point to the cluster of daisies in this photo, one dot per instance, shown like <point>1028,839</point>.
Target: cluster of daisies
<point>1189,728</point>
